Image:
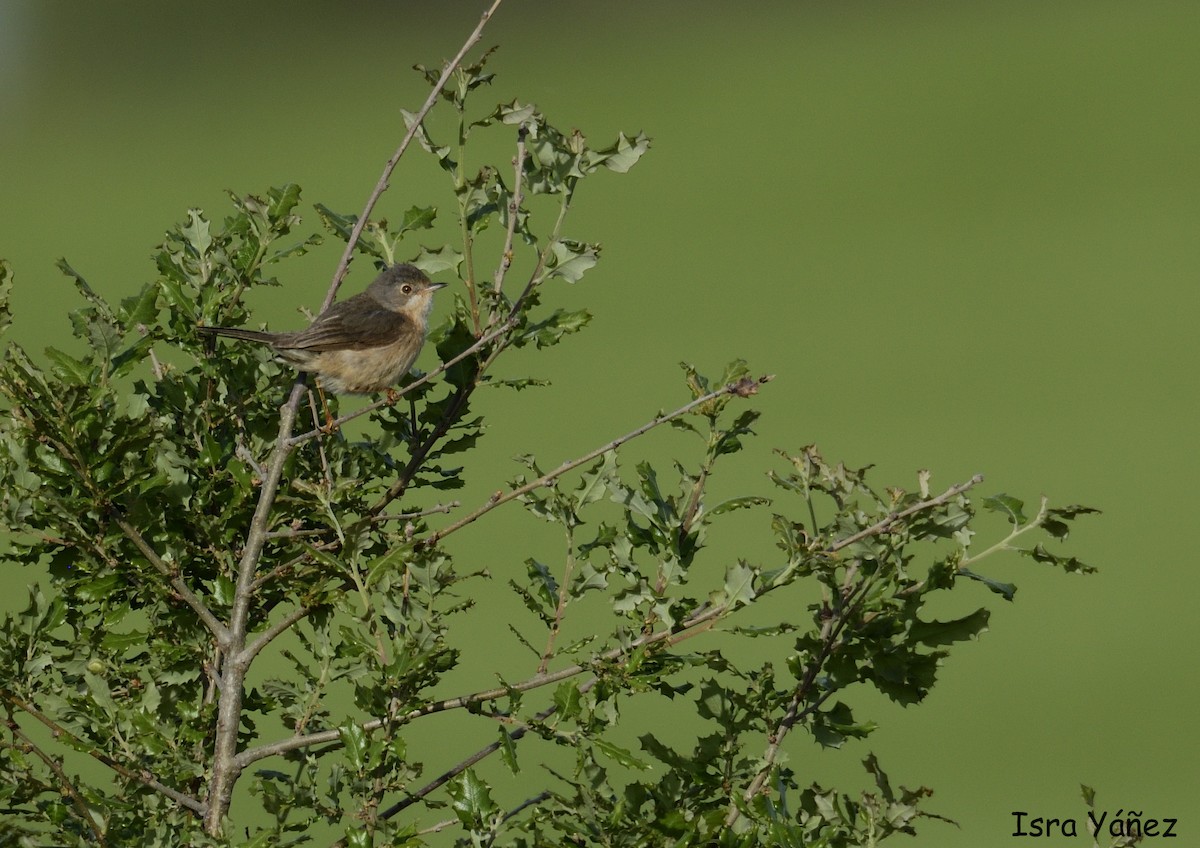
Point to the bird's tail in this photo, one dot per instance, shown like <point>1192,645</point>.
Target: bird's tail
<point>238,333</point>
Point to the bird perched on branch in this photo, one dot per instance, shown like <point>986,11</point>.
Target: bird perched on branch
<point>362,344</point>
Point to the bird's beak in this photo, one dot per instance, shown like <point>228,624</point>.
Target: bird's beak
<point>436,286</point>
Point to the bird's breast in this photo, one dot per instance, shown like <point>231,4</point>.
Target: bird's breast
<point>360,372</point>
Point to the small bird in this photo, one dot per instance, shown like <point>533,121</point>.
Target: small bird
<point>362,344</point>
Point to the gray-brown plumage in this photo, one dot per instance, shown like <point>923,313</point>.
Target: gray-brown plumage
<point>364,343</point>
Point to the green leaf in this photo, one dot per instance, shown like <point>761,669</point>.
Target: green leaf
<point>1056,520</point>
<point>354,741</point>
<point>508,751</point>
<point>732,504</point>
<point>1008,505</point>
<point>935,633</point>
<point>596,480</point>
<point>621,755</point>
<point>472,800</point>
<point>435,261</point>
<point>81,373</point>
<point>572,259</point>
<point>739,584</point>
<point>625,153</point>
<point>1070,564</point>
<point>567,699</point>
<point>1006,590</point>
<point>418,218</point>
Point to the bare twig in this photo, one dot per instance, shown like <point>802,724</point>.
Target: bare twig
<point>514,210</point>
<point>269,635</point>
<point>382,184</point>
<point>296,532</point>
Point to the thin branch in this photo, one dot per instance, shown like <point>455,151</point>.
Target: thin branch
<point>700,621</point>
<point>831,632</point>
<point>514,210</point>
<point>484,752</point>
<point>743,388</point>
<point>67,787</point>
<point>271,633</point>
<point>142,776</point>
<point>215,626</point>
<point>382,184</point>
<point>296,532</point>
<point>433,828</point>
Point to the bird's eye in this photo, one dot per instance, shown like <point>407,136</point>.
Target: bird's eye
<point>406,288</point>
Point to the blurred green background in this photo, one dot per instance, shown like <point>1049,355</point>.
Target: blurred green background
<point>962,234</point>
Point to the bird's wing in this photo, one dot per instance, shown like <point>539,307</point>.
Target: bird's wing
<point>352,324</point>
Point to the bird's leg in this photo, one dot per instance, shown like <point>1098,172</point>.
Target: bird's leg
<point>328,428</point>
<point>392,396</point>
<point>412,419</point>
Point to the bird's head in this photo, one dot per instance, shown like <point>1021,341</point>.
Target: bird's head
<point>404,288</point>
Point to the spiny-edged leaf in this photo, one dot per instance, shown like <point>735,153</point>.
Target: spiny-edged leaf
<point>472,799</point>
<point>833,726</point>
<point>354,741</point>
<point>418,218</point>
<point>81,373</point>
<point>141,308</point>
<point>739,584</point>
<point>567,700</point>
<point>508,751</point>
<point>520,637</point>
<point>515,112</point>
<point>571,259</point>
<point>622,155</point>
<point>281,200</point>
<point>621,755</point>
<point>543,580</point>
<point>745,502</point>
<point>596,480</point>
<point>95,323</point>
<point>1070,564</point>
<point>1056,520</point>
<point>6,282</point>
<point>551,330</point>
<point>518,383</point>
<point>1006,590</point>
<point>435,261</point>
<point>197,232</point>
<point>1008,505</point>
<point>765,630</point>
<point>935,633</point>
<point>342,226</point>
